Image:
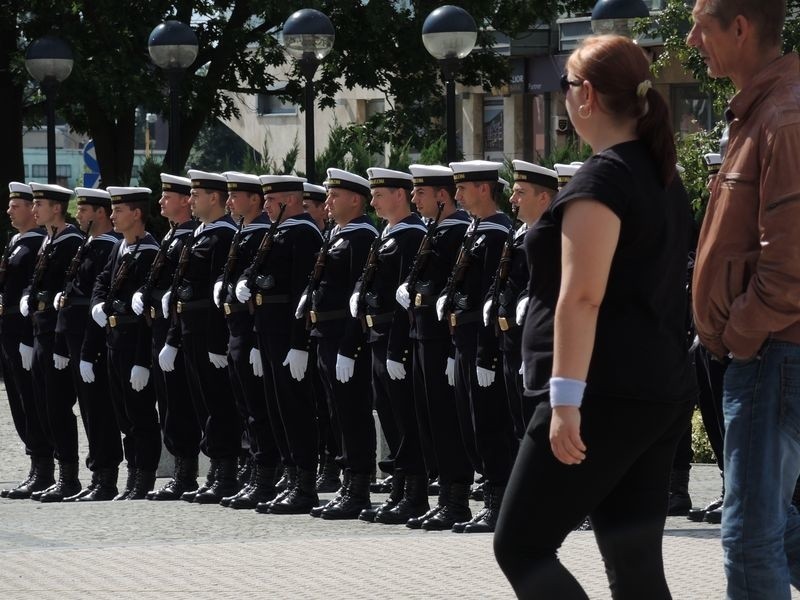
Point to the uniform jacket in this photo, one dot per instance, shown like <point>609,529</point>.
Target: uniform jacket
<point>512,291</point>
<point>22,253</point>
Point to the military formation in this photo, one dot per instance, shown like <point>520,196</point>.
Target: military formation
<point>263,330</point>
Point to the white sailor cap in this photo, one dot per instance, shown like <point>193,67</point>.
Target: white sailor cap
<point>337,178</point>
<point>121,195</point>
<point>49,191</point>
<point>565,172</point>
<point>93,197</point>
<point>577,163</point>
<point>242,182</point>
<point>208,181</point>
<point>475,170</point>
<point>388,178</point>
<point>530,173</point>
<point>19,190</point>
<point>713,162</point>
<point>313,192</point>
<point>436,175</point>
<point>173,183</point>
<point>275,184</point>
<point>503,182</point>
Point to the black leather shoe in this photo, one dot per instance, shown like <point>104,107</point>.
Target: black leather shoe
<point>698,515</point>
<point>328,479</point>
<point>21,484</point>
<point>302,497</point>
<point>355,499</point>
<point>105,487</point>
<point>224,484</point>
<point>398,485</point>
<point>67,484</point>
<point>85,491</point>
<point>129,483</point>
<point>188,496</point>
<point>488,521</point>
<point>316,512</point>
<point>40,480</point>
<point>261,489</point>
<point>679,500</point>
<point>456,509</point>
<point>714,516</point>
<point>413,504</point>
<point>144,482</point>
<point>184,479</point>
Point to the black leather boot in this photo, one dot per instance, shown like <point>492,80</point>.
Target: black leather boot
<point>455,511</point>
<point>224,484</point>
<point>184,479</point>
<point>488,521</point>
<point>290,478</point>
<point>67,484</point>
<point>245,472</point>
<point>355,499</point>
<point>283,482</point>
<point>679,500</point>
<point>477,491</point>
<point>40,480</point>
<point>105,487</point>
<point>211,476</point>
<point>328,479</point>
<point>413,504</point>
<point>260,490</point>
<point>316,512</point>
<point>301,498</point>
<point>144,482</point>
<point>85,491</point>
<point>129,483</point>
<point>433,486</point>
<point>23,483</point>
<point>382,486</point>
<point>395,496</point>
<point>444,494</point>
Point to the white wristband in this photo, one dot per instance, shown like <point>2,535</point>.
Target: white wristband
<point>566,392</point>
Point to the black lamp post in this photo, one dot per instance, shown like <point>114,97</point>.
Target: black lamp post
<point>49,61</point>
<point>308,37</point>
<point>173,47</point>
<point>617,16</point>
<point>449,34</point>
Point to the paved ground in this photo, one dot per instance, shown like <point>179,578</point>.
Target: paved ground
<point>148,550</point>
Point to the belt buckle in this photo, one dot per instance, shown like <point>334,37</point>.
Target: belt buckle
<point>61,301</point>
<point>418,300</point>
<point>370,322</point>
<point>179,307</point>
<point>313,316</point>
<point>259,299</point>
<point>227,308</point>
<point>112,321</point>
<point>503,323</point>
<point>453,319</point>
<point>41,306</point>
<point>152,312</point>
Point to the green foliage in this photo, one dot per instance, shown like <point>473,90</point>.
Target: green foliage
<point>434,153</point>
<point>150,177</point>
<point>218,149</point>
<point>265,163</point>
<point>691,148</point>
<point>347,149</point>
<point>700,444</point>
<point>572,151</point>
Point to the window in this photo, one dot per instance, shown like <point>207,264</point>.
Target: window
<point>38,171</point>
<point>692,110</point>
<point>269,104</point>
<point>493,125</point>
<point>64,171</point>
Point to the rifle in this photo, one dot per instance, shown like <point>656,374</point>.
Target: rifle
<point>120,277</point>
<point>41,267</point>
<point>155,271</point>
<point>319,268</point>
<point>368,274</point>
<point>230,262</point>
<point>4,260</point>
<point>421,258</point>
<point>72,271</point>
<point>501,275</point>
<point>459,268</point>
<point>262,253</point>
<point>180,271</point>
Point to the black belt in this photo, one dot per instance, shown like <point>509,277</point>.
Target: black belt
<point>79,301</point>
<point>192,305</point>
<point>373,320</point>
<point>233,307</point>
<point>276,299</point>
<point>117,320</point>
<point>331,315</point>
<point>8,311</point>
<point>463,318</point>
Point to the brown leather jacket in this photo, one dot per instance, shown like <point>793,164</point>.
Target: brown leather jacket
<point>746,284</point>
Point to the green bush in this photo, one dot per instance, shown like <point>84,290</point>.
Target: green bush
<point>700,445</point>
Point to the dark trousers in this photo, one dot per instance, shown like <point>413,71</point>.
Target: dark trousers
<point>520,408</point>
<point>622,485</point>
<point>294,400</point>
<point>248,391</point>
<point>710,374</point>
<point>212,400</point>
<point>55,397</point>
<point>179,425</point>
<point>351,407</point>
<point>484,420</point>
<point>21,399</point>
<point>383,406</point>
<point>97,410</point>
<point>399,396</point>
<point>327,437</point>
<point>437,415</point>
<point>135,412</point>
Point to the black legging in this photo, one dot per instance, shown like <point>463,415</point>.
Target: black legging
<point>622,484</point>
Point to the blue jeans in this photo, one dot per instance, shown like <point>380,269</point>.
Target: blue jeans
<point>760,527</point>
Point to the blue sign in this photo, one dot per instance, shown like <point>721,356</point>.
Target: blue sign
<point>91,175</point>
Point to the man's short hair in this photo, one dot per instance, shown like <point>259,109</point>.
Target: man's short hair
<point>768,16</point>
<point>142,205</point>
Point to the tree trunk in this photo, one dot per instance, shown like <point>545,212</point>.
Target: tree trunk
<point>113,142</point>
<point>12,166</point>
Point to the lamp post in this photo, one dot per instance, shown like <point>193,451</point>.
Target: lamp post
<point>617,16</point>
<point>449,34</point>
<point>308,37</point>
<point>49,61</point>
<point>149,119</point>
<point>173,47</point>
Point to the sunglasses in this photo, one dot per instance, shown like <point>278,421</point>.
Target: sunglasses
<point>566,83</point>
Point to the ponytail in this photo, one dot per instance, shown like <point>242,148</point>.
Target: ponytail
<point>654,129</point>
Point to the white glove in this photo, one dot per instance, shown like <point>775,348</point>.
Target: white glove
<point>396,370</point>
<point>57,300</point>
<point>26,354</point>
<point>60,362</point>
<point>166,358</point>
<point>298,313</point>
<point>440,308</point>
<point>485,376</point>
<point>243,292</point>
<point>450,371</point>
<point>344,368</point>
<point>298,361</point>
<point>522,308</point>
<point>354,305</point>
<point>402,296</point>
<point>139,378</point>
<point>24,308</point>
<point>217,290</point>
<point>255,361</point>
<point>522,370</point>
<point>165,304</point>
<point>220,361</point>
<point>87,371</point>
<point>487,310</point>
<point>137,303</point>
<point>98,315</point>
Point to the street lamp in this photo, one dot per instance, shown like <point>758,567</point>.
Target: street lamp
<point>173,47</point>
<point>617,16</point>
<point>49,61</point>
<point>449,34</point>
<point>308,37</point>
